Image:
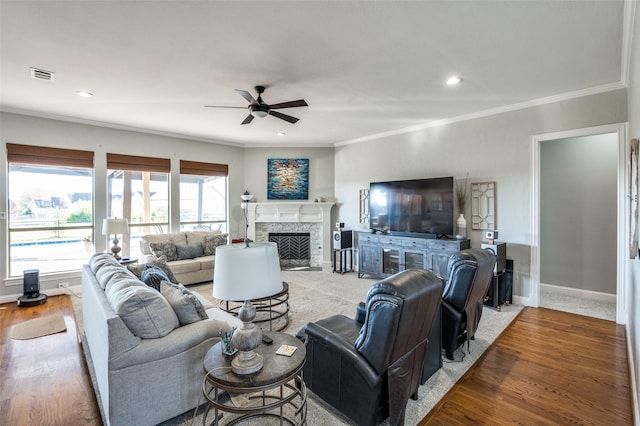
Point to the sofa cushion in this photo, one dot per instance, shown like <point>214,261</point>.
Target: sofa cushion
<point>213,241</point>
<point>160,263</point>
<point>185,304</point>
<point>153,276</point>
<point>185,266</point>
<point>145,311</point>
<point>109,273</point>
<point>99,260</point>
<point>197,237</point>
<point>207,262</point>
<point>189,252</point>
<point>165,248</point>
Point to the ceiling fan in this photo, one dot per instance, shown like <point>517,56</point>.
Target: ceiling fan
<point>258,108</point>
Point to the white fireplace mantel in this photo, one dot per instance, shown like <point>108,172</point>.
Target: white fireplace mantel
<point>292,212</point>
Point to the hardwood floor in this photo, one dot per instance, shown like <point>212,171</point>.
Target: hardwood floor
<point>44,381</point>
<point>548,367</point>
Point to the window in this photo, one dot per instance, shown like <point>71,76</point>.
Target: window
<point>50,208</point>
<point>203,196</point>
<point>138,190</point>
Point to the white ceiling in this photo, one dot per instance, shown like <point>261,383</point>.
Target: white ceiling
<point>366,68</point>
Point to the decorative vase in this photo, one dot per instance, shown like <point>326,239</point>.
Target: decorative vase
<point>461,224</point>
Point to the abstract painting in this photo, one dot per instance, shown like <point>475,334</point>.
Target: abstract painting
<point>288,179</point>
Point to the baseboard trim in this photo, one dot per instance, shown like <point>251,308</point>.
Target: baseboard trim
<point>577,292</point>
<point>49,292</point>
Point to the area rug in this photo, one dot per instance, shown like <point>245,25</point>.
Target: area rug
<point>314,295</point>
<point>38,327</point>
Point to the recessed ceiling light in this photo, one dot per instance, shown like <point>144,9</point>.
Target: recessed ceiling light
<point>453,80</point>
<point>84,94</point>
<point>281,133</point>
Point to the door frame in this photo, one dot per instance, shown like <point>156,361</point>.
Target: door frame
<point>620,129</point>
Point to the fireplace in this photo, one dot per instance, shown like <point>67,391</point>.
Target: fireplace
<point>309,218</point>
<point>293,248</point>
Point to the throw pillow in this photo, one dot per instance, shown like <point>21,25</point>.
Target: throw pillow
<point>145,312</point>
<point>185,304</point>
<point>189,252</point>
<point>160,263</point>
<point>213,241</point>
<point>153,276</point>
<point>166,248</point>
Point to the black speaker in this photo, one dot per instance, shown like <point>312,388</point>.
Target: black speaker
<point>500,250</point>
<point>342,239</point>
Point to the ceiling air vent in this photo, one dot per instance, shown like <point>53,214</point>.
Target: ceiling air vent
<point>39,74</point>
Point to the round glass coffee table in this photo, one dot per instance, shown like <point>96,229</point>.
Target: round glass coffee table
<point>272,312</point>
<point>278,390</point>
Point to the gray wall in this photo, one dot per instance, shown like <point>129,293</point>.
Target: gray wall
<point>578,218</point>
<point>632,281</point>
<point>494,148</point>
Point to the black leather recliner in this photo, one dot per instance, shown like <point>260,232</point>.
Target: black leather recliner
<point>470,273</point>
<point>368,367</point>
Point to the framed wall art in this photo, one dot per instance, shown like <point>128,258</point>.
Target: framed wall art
<point>288,179</point>
<point>633,199</point>
<point>483,205</point>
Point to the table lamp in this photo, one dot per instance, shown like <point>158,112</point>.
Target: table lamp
<point>115,227</point>
<point>242,273</point>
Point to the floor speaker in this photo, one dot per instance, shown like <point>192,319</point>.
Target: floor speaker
<point>342,239</point>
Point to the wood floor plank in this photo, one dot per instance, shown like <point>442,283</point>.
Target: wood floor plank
<point>44,380</point>
<point>547,367</point>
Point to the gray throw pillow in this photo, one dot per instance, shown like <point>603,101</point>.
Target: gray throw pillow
<point>145,312</point>
<point>166,248</point>
<point>213,241</point>
<point>189,252</point>
<point>185,304</point>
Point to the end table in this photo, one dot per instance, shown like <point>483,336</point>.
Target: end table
<point>278,390</point>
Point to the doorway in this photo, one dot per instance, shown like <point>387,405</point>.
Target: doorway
<point>578,221</point>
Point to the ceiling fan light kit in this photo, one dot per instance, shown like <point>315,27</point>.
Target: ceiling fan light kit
<point>259,108</point>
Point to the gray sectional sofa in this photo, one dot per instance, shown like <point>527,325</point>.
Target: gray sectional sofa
<point>146,366</point>
<point>190,255</point>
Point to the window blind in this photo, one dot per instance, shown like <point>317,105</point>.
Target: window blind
<point>29,154</point>
<point>138,163</point>
<point>203,169</point>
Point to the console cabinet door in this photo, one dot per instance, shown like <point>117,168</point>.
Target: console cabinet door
<point>369,259</point>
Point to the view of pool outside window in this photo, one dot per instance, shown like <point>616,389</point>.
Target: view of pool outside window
<point>50,217</point>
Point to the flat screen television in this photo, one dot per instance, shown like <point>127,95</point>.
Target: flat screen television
<point>418,207</point>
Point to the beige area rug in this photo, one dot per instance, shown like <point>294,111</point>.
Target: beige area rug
<point>314,295</point>
<point>38,327</point>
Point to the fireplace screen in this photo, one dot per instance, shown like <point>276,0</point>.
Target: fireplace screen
<point>294,248</point>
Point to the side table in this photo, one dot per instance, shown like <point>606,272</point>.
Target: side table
<point>278,390</point>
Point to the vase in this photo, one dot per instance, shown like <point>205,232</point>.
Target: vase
<point>461,225</point>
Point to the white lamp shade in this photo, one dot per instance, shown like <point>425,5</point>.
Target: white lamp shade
<point>245,273</point>
<point>115,226</point>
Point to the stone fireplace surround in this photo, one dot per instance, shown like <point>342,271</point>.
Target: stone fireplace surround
<point>292,217</point>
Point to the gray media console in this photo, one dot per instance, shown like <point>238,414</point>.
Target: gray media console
<point>384,255</point>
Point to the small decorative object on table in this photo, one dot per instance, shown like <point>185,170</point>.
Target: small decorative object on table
<point>226,347</point>
<point>286,350</point>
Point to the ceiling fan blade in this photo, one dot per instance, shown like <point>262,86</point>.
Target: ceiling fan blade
<point>248,120</point>
<point>284,117</point>
<point>247,96</point>
<point>221,106</point>
<point>291,104</point>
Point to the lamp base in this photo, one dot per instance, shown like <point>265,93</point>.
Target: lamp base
<point>246,339</point>
<point>247,363</point>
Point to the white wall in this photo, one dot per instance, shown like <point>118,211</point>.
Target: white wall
<point>21,129</point>
<point>494,148</point>
<point>578,190</point>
